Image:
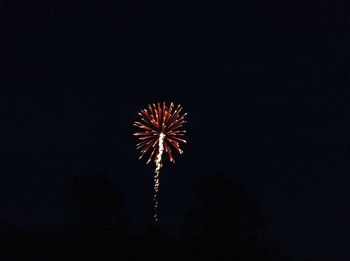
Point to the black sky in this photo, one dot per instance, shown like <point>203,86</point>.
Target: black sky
<point>265,86</point>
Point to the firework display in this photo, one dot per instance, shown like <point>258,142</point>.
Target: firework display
<point>160,130</point>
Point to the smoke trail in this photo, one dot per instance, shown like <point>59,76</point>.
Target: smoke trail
<point>156,173</point>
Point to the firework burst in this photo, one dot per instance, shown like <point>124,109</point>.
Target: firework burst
<point>160,130</point>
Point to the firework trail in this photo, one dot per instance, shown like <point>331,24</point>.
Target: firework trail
<point>160,131</point>
<point>156,175</point>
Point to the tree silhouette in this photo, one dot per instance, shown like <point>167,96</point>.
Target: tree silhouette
<point>226,224</point>
<point>98,203</point>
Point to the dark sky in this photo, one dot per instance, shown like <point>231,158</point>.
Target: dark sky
<point>265,88</point>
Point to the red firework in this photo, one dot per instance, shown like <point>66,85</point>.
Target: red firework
<point>160,121</point>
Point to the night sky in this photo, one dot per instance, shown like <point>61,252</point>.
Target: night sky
<point>265,86</point>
